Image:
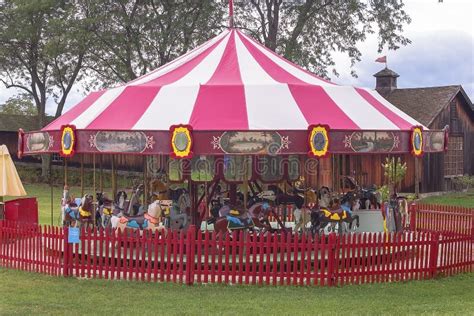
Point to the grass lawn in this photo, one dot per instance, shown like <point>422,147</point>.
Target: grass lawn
<point>465,199</point>
<point>28,293</point>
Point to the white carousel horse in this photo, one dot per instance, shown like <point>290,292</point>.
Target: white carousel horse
<point>151,220</point>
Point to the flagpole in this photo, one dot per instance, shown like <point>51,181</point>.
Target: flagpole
<point>231,14</point>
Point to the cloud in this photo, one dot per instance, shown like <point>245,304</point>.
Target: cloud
<point>433,59</point>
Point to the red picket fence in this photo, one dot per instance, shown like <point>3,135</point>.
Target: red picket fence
<point>198,257</point>
<point>442,219</point>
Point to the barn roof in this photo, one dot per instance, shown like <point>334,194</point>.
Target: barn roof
<point>424,104</point>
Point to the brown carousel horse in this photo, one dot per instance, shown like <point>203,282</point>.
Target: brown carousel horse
<point>86,211</point>
<point>235,218</point>
<point>369,198</point>
<point>303,215</point>
<point>339,212</point>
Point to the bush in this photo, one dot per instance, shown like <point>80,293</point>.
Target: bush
<point>463,182</point>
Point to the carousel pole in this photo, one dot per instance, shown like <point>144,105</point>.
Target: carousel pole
<point>417,179</point>
<point>246,181</point>
<point>145,180</point>
<point>114,177</point>
<point>82,174</point>
<point>101,174</point>
<point>65,171</point>
<point>93,172</point>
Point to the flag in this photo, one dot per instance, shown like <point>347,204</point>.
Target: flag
<point>382,59</point>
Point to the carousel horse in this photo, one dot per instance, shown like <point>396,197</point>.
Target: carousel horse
<point>341,213</point>
<point>105,209</point>
<point>177,214</point>
<point>149,220</point>
<point>69,208</point>
<point>303,215</point>
<point>134,208</point>
<point>369,198</point>
<point>324,197</point>
<point>395,215</point>
<point>120,203</point>
<point>257,216</point>
<point>236,219</point>
<point>159,190</point>
<point>86,211</point>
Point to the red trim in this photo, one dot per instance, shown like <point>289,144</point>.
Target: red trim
<point>310,130</point>
<point>21,143</point>
<point>74,141</point>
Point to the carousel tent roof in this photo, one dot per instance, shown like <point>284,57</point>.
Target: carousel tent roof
<point>232,82</point>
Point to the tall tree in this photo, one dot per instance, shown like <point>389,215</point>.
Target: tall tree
<point>134,37</point>
<point>42,49</point>
<point>309,31</point>
<point>19,105</point>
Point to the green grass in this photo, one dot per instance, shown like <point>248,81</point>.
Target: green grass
<point>43,193</point>
<point>30,294</point>
<point>465,199</point>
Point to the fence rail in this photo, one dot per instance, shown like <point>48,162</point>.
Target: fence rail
<point>195,257</point>
<point>442,219</point>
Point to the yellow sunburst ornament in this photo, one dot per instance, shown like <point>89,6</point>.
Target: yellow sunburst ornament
<point>417,141</point>
<point>68,140</point>
<point>181,141</point>
<point>318,140</point>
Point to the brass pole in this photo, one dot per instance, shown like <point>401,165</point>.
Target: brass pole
<point>417,179</point>
<point>114,180</point>
<point>246,181</point>
<point>82,174</point>
<point>65,171</point>
<point>101,173</point>
<point>145,180</point>
<point>93,172</point>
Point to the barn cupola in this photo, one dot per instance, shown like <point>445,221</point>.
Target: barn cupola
<point>386,81</point>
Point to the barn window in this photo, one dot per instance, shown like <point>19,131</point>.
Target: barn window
<point>56,158</point>
<point>454,158</point>
<point>454,118</point>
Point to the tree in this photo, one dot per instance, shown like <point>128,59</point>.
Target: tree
<point>19,105</point>
<point>133,37</point>
<point>42,49</point>
<point>307,32</point>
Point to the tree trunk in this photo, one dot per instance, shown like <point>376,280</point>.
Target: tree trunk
<point>45,166</point>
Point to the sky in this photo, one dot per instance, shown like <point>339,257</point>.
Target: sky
<point>441,52</point>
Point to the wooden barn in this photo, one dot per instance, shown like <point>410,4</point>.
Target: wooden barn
<point>9,125</point>
<point>434,107</point>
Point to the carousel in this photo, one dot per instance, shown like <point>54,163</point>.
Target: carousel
<point>227,133</point>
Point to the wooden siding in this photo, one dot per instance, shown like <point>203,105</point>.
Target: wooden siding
<point>461,125</point>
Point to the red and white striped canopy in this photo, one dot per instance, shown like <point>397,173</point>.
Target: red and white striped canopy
<point>232,82</point>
